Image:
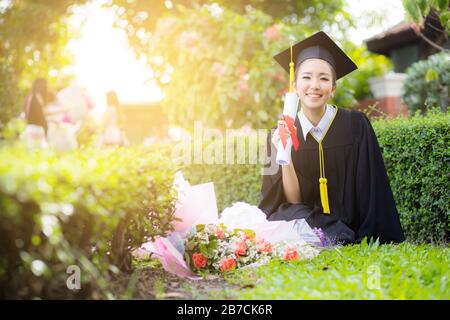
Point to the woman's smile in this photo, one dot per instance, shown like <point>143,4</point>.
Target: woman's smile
<point>314,95</point>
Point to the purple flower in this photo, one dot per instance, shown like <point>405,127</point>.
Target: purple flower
<point>323,239</point>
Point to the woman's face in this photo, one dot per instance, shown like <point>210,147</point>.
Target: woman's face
<point>314,83</point>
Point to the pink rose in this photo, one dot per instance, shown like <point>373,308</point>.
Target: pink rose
<point>199,260</point>
<point>219,233</point>
<point>227,264</point>
<point>290,254</point>
<point>188,39</point>
<point>218,69</point>
<point>272,33</point>
<point>240,248</point>
<point>264,246</point>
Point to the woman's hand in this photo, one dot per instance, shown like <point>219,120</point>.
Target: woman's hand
<point>276,135</point>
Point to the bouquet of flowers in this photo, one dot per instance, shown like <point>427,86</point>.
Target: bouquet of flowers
<point>202,243</point>
<point>214,249</point>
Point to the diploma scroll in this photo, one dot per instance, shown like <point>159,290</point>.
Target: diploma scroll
<point>289,109</point>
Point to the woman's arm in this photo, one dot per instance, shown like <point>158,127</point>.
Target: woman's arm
<point>291,186</point>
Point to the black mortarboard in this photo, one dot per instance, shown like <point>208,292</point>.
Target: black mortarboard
<point>319,46</point>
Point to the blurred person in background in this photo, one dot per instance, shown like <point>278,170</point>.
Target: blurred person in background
<point>112,135</point>
<point>36,104</point>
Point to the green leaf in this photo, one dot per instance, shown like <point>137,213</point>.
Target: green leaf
<point>431,75</point>
<point>200,227</point>
<point>412,10</point>
<point>424,7</point>
<point>442,4</point>
<point>444,18</point>
<point>212,245</point>
<point>203,249</point>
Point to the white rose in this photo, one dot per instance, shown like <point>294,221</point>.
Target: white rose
<point>242,215</point>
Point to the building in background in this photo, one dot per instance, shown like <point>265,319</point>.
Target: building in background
<point>404,44</point>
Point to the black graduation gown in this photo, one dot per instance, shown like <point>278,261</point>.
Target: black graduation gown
<point>360,197</point>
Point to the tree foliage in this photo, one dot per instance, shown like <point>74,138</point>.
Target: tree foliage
<point>215,65</point>
<point>33,36</point>
<point>418,10</point>
<point>212,58</point>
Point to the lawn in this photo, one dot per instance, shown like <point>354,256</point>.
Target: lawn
<point>365,271</point>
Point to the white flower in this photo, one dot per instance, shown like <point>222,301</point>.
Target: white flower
<point>242,215</point>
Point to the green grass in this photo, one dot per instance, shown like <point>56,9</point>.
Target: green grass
<point>373,271</point>
<point>365,271</point>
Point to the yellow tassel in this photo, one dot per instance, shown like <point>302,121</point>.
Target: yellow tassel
<point>324,195</point>
<point>291,77</point>
<point>291,73</point>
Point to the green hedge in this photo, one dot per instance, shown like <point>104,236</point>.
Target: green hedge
<point>88,208</point>
<point>232,183</point>
<point>416,155</point>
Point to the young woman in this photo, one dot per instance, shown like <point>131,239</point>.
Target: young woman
<point>112,134</point>
<point>336,180</point>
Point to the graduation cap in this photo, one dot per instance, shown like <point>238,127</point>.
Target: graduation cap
<point>319,46</point>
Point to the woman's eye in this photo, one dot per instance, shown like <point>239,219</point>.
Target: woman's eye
<point>324,79</point>
<point>305,77</point>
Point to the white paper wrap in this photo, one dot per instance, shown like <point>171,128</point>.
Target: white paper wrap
<point>290,109</point>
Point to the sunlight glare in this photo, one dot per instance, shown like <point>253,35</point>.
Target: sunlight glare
<point>104,61</point>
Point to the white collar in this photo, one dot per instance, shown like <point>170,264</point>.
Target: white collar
<point>323,124</point>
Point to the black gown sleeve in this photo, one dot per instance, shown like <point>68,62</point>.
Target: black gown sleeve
<point>378,214</point>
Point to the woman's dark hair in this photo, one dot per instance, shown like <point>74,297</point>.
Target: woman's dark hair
<point>40,87</point>
<point>333,72</point>
<point>34,107</point>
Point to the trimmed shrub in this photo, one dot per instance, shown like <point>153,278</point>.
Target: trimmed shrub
<point>232,183</point>
<point>427,84</point>
<point>88,208</point>
<point>416,154</point>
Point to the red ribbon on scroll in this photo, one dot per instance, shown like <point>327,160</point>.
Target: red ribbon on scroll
<point>290,124</point>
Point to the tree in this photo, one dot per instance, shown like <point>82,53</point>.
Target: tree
<point>215,64</point>
<point>217,67</point>
<point>33,35</point>
<point>419,11</point>
<point>139,18</point>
